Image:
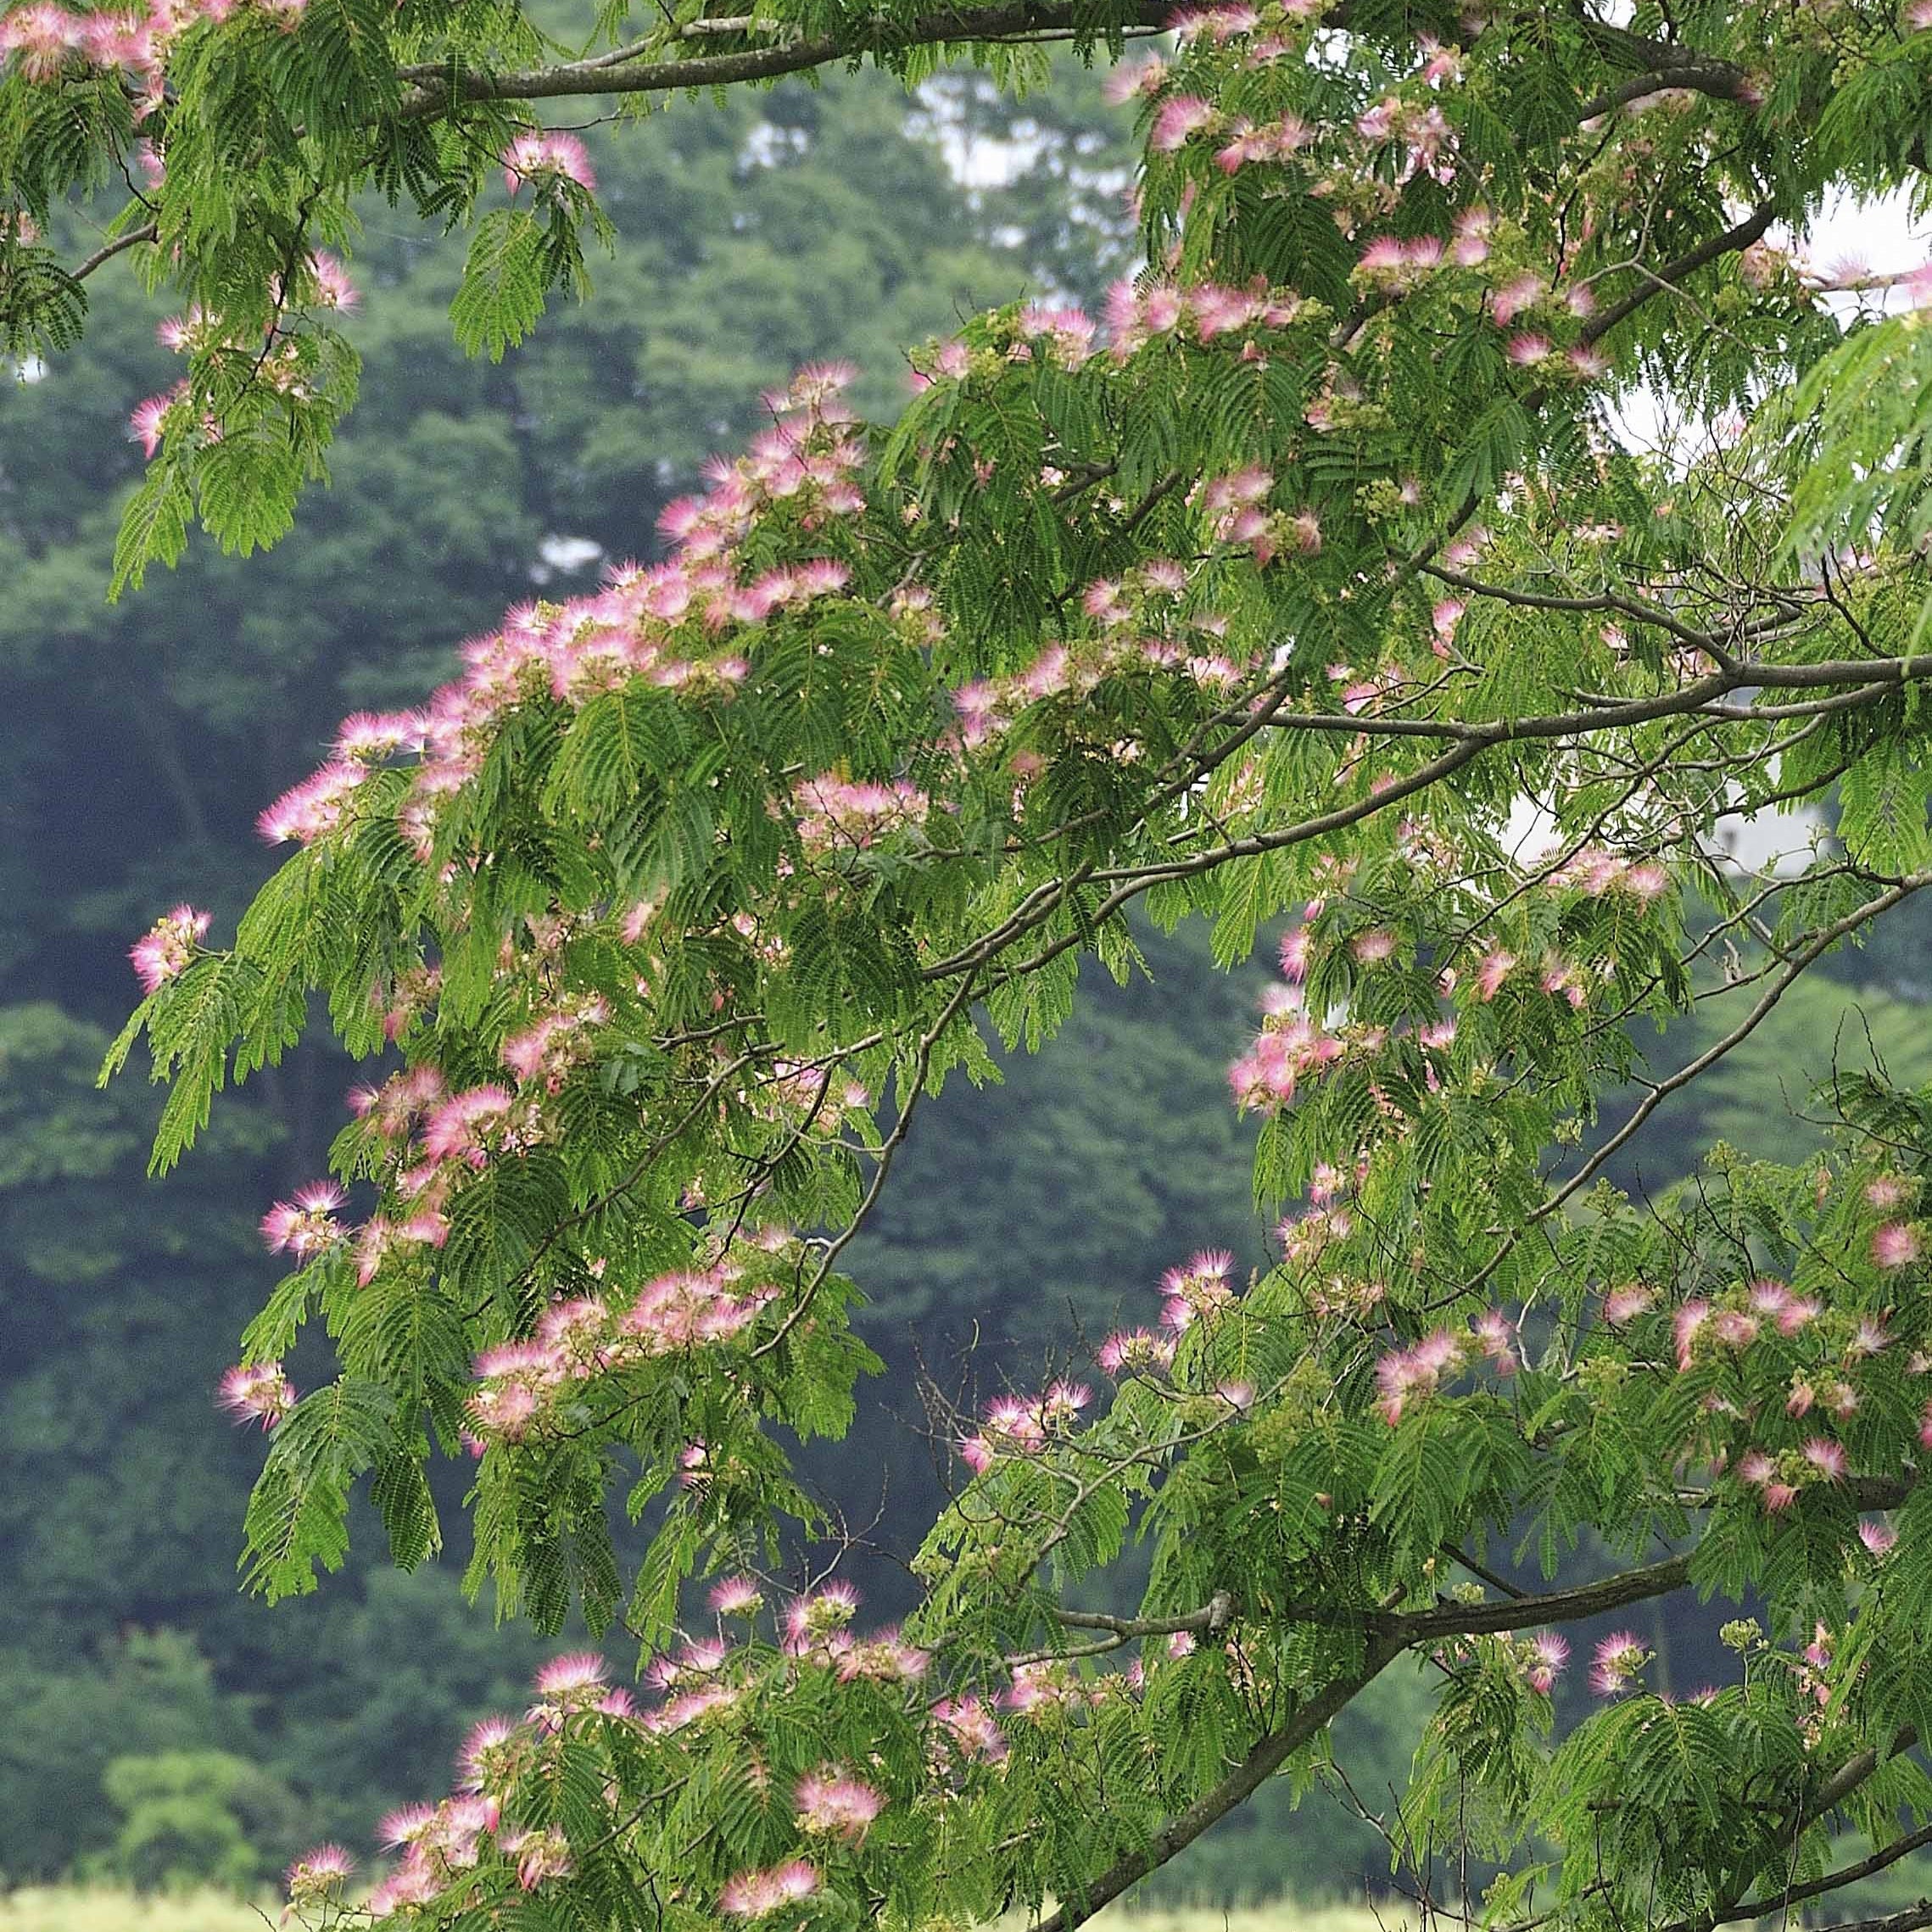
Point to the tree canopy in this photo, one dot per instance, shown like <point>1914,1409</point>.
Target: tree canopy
<point>1324,577</point>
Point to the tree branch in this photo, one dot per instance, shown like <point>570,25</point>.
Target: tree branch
<point>630,70</point>
<point>1261,1764</point>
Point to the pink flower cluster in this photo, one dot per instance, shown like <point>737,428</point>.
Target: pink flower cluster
<point>444,1843</point>
<point>575,1341</point>
<point>658,626</point>
<point>165,950</point>
<point>323,284</point>
<point>833,1804</point>
<point>1779,1479</point>
<point>1544,1655</point>
<point>318,1877</point>
<point>971,1728</point>
<point>46,42</point>
<point>758,1895</point>
<point>257,1392</point>
<point>1616,1663</point>
<point>1278,140</point>
<point>1597,873</point>
<point>306,1225</point>
<point>1234,507</point>
<point>1201,1287</point>
<point>1023,1426</point>
<point>1139,313</point>
<point>1140,627</point>
<point>1405,1375</point>
<point>541,152</point>
<point>1064,330</point>
<point>544,1052</point>
<point>838,814</point>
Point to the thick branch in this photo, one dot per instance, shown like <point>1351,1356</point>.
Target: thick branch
<point>637,73</point>
<point>1261,1764</point>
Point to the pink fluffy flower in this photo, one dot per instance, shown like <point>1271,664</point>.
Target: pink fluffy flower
<point>257,1392</point>
<point>317,1874</point>
<point>736,1596</point>
<point>1616,1662</point>
<point>972,1728</point>
<point>40,38</point>
<point>1622,1306</point>
<point>1895,1245</point>
<point>163,952</point>
<point>1495,967</point>
<point>755,1895</point>
<point>1135,1351</point>
<point>1549,1652</point>
<point>575,1674</point>
<point>540,152</point>
<point>1404,1374</point>
<point>1686,1326</point>
<point>307,1224</point>
<point>149,421</point>
<point>833,1804</point>
<point>1180,115</point>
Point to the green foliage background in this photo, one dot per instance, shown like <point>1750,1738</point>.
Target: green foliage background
<point>754,236</point>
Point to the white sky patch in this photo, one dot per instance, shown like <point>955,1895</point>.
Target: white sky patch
<point>562,556</point>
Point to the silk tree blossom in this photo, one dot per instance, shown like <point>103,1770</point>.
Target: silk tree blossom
<point>1284,1054</point>
<point>1497,1339</point>
<point>1598,872</point>
<point>369,737</point>
<point>1548,1654</point>
<point>148,423</point>
<point>539,1856</point>
<point>413,1884</point>
<point>1616,1663</point>
<point>316,808</point>
<point>1495,966</point>
<point>1135,1351</point>
<point>1051,1685</point>
<point>1201,1286</point>
<point>833,1803</point>
<point>492,1754</point>
<point>737,1596</point>
<point>1273,141</point>
<point>1878,1538</point>
<point>819,1614</point>
<point>1769,1476</point>
<point>468,1126</point>
<point>1623,1305</point>
<point>1868,1339</point>
<point>546,1051</point>
<point>1067,331</point>
<point>884,1657</point>
<point>318,1876</point>
<point>969,1726</point>
<point>257,1392</point>
<point>839,815</point>
<point>166,950</point>
<point>1686,1326</point>
<point>532,156</point>
<point>1404,1374</point>
<point>758,1895</point>
<point>306,1225</point>
<point>666,627</point>
<point>1896,1245</point>
<point>1179,117</point>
